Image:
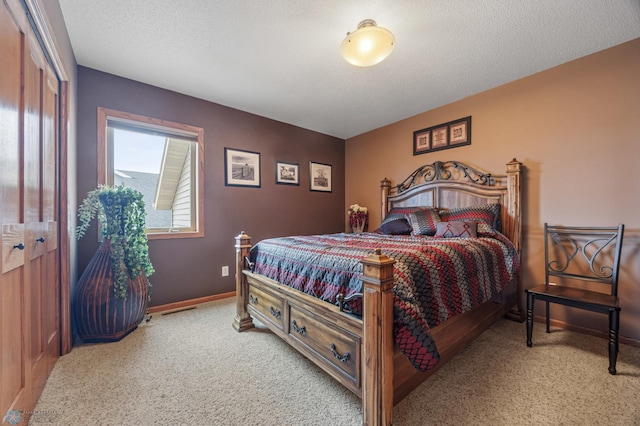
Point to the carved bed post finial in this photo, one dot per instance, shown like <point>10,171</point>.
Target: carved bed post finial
<point>243,320</point>
<point>377,367</point>
<point>385,186</point>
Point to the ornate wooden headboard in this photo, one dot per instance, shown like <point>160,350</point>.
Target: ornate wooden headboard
<point>452,184</point>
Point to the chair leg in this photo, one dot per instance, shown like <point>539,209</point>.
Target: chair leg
<point>530,302</point>
<point>614,325</point>
<point>548,322</point>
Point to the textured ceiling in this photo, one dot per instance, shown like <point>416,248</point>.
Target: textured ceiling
<point>280,58</point>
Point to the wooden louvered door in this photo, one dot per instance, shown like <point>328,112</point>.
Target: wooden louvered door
<point>29,285</point>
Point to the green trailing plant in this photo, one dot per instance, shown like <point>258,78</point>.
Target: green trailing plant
<point>120,211</point>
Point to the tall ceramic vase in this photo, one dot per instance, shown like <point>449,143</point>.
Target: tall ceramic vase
<point>98,315</point>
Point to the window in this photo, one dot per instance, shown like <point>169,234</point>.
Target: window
<point>162,160</point>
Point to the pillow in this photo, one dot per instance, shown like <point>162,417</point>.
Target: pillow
<point>456,229</point>
<point>399,213</point>
<point>404,211</point>
<point>487,216</point>
<point>423,222</point>
<point>398,226</point>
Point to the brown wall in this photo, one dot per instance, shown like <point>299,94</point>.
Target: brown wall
<point>191,268</point>
<point>576,127</point>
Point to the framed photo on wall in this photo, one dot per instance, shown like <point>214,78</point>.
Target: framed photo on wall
<point>443,136</point>
<point>422,142</point>
<point>459,132</point>
<point>287,173</point>
<point>439,138</point>
<point>241,168</point>
<point>319,177</point>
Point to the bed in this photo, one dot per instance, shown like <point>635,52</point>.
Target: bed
<point>354,305</point>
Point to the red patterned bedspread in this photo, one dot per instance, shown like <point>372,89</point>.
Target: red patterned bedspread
<point>435,278</point>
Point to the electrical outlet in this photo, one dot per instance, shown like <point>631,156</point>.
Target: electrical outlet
<point>225,271</point>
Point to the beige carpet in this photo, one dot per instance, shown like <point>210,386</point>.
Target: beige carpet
<point>192,368</point>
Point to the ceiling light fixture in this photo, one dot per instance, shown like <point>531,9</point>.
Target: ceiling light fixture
<point>368,45</point>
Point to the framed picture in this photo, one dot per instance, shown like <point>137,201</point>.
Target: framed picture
<point>319,177</point>
<point>423,142</point>
<point>241,168</point>
<point>458,132</point>
<point>439,138</point>
<point>287,173</point>
<point>443,136</point>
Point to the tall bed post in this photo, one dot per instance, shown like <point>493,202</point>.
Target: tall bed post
<point>514,225</point>
<point>377,367</point>
<point>243,320</point>
<point>385,187</point>
<point>514,171</point>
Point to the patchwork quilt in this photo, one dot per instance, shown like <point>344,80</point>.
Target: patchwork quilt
<point>435,278</point>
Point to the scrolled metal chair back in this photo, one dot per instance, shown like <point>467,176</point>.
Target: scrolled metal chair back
<point>584,253</point>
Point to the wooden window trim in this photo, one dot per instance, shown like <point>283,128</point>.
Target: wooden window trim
<point>104,114</point>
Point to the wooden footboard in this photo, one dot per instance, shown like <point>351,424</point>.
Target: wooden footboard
<point>320,331</point>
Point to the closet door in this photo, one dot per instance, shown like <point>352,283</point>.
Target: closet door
<point>13,392</point>
<point>40,293</point>
<point>49,189</point>
<point>29,284</point>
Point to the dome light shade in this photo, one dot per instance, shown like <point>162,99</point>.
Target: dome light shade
<point>368,45</point>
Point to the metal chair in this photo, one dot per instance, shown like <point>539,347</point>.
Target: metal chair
<point>579,255</point>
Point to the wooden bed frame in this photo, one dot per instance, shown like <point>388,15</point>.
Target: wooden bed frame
<point>360,353</point>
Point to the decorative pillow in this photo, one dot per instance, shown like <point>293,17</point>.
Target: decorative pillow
<point>424,221</point>
<point>398,226</point>
<point>487,216</point>
<point>404,211</point>
<point>400,213</point>
<point>456,229</point>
